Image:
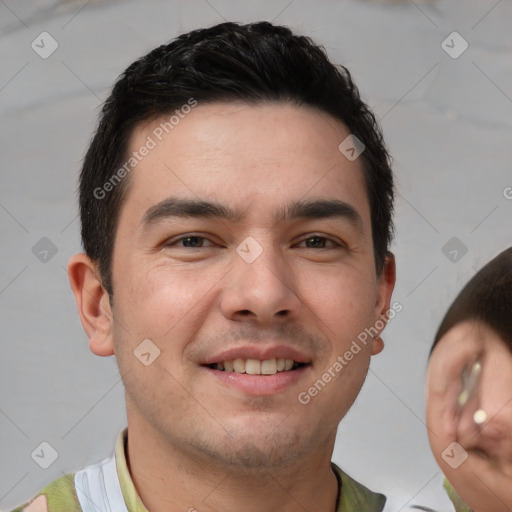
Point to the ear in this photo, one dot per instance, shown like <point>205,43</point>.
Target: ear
<point>385,285</point>
<point>93,304</point>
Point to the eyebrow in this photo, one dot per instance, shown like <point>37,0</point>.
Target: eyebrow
<point>312,209</point>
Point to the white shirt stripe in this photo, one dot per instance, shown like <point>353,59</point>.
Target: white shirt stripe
<point>98,488</point>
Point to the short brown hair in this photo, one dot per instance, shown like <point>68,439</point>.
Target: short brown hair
<point>487,297</point>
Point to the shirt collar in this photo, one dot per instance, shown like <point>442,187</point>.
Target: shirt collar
<point>130,495</point>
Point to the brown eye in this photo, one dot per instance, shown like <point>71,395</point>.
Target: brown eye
<point>319,242</point>
<point>192,241</point>
<point>189,242</point>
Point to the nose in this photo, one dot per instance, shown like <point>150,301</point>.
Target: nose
<point>261,290</point>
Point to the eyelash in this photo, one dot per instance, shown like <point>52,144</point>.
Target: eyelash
<point>174,243</point>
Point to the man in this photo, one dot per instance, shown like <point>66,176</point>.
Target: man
<point>236,206</point>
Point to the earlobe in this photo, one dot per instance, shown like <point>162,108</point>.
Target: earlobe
<point>377,345</point>
<point>93,304</point>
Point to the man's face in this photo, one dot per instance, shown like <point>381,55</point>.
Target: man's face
<point>273,283</point>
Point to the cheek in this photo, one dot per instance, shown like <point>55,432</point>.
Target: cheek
<point>497,382</point>
<point>497,402</point>
<point>164,299</point>
<point>437,445</point>
<point>344,295</point>
<point>343,309</point>
<point>345,379</point>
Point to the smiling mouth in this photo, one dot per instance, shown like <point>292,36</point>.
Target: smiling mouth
<point>257,367</point>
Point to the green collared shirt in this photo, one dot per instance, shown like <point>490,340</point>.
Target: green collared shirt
<point>108,487</point>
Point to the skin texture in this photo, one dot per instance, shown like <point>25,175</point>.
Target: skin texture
<point>483,479</point>
<point>194,440</point>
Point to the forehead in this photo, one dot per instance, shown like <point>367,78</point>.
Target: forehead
<point>466,338</point>
<point>470,330</point>
<point>254,157</point>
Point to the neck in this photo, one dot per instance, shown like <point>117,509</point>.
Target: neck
<point>169,480</point>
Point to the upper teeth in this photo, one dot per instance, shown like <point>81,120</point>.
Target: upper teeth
<point>256,367</point>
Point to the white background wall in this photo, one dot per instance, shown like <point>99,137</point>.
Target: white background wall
<point>447,121</point>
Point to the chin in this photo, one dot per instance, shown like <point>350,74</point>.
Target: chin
<point>254,450</point>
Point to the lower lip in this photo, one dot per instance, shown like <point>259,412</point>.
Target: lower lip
<point>260,385</point>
